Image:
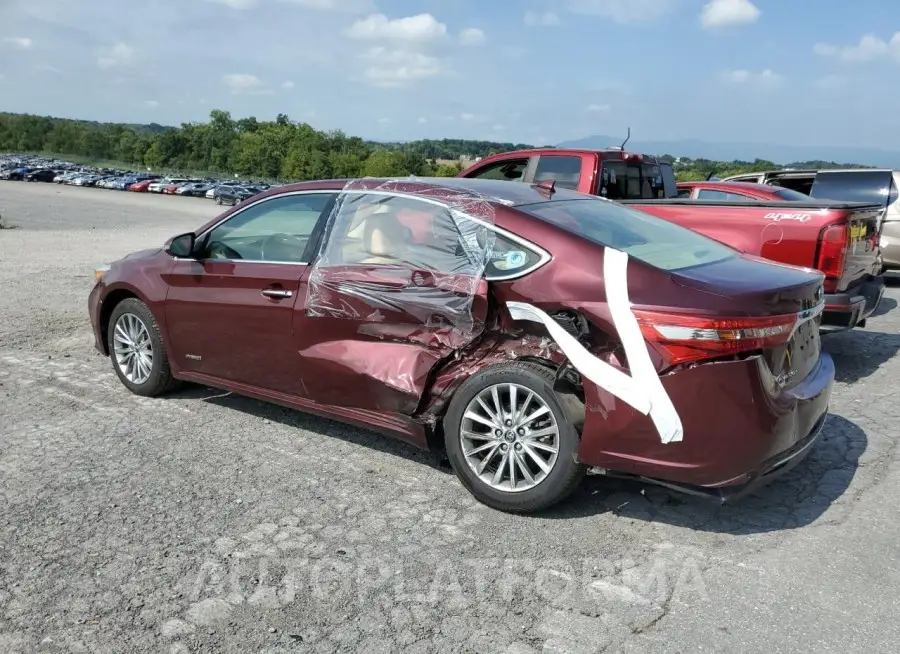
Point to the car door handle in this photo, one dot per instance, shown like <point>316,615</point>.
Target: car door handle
<point>277,293</point>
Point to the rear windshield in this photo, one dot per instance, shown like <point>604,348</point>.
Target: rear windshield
<point>623,180</point>
<point>791,195</point>
<point>650,239</point>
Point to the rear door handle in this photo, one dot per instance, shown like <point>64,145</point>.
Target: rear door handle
<point>276,293</point>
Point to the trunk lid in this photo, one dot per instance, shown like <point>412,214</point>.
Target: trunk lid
<point>753,286</point>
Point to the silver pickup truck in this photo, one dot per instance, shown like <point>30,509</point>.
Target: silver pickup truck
<point>871,185</point>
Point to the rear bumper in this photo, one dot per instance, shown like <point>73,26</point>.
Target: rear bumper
<point>741,429</point>
<point>847,310</point>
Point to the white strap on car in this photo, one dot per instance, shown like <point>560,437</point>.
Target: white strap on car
<point>643,390</point>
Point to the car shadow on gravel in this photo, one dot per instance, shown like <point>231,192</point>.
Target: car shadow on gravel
<point>886,305</point>
<point>794,500</point>
<point>306,421</point>
<point>858,353</point>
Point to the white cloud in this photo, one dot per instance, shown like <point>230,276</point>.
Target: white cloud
<point>764,78</point>
<point>728,13</point>
<point>384,121</point>
<point>242,82</point>
<point>19,41</point>
<point>47,68</point>
<point>598,108</point>
<point>121,54</point>
<point>541,19</point>
<point>152,104</point>
<point>869,48</point>
<point>472,36</point>
<point>498,128</point>
<point>391,68</point>
<point>422,120</point>
<point>620,11</point>
<point>235,4</point>
<point>467,116</point>
<point>412,29</point>
<point>288,85</point>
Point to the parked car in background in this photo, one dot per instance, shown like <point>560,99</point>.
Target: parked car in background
<point>738,191</point>
<point>838,238</point>
<point>233,195</point>
<point>41,175</point>
<point>486,317</point>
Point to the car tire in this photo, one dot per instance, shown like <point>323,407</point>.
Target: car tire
<point>131,320</point>
<point>546,487</point>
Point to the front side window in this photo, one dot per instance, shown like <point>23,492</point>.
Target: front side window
<point>276,230</point>
<point>564,170</point>
<point>510,170</point>
<point>647,238</point>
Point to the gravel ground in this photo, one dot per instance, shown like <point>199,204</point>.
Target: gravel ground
<point>209,522</point>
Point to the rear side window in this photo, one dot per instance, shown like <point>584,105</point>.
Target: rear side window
<point>647,238</point>
<point>872,186</point>
<point>711,194</point>
<point>508,258</point>
<point>509,170</point>
<point>565,170</point>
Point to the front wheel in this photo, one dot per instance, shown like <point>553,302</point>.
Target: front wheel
<point>509,440</point>
<point>137,351</point>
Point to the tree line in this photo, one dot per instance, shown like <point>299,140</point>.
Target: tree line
<point>278,149</point>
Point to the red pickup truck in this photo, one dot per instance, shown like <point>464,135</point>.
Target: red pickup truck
<point>838,238</point>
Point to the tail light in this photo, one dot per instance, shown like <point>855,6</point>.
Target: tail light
<point>686,339</point>
<point>834,241</point>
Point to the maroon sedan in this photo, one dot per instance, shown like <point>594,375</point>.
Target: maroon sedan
<point>532,332</point>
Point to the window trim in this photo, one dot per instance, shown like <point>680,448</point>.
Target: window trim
<point>544,256</point>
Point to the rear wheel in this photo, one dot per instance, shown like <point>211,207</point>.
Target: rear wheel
<point>509,440</point>
<point>136,349</point>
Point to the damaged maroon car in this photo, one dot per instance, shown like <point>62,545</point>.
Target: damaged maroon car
<point>534,333</point>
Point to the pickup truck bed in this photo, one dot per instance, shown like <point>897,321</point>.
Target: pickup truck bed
<point>838,238</point>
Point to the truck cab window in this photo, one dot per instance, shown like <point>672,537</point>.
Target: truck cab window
<point>508,170</point>
<point>564,170</point>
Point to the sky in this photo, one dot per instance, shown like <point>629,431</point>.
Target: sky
<point>800,72</point>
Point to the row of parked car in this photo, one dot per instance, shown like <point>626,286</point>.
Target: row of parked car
<point>547,313</point>
<point>33,169</point>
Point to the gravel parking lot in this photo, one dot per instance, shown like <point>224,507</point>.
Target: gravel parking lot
<point>208,522</point>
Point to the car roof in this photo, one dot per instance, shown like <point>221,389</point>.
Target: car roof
<point>502,192</point>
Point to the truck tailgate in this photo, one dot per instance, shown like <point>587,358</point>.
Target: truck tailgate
<point>862,255</point>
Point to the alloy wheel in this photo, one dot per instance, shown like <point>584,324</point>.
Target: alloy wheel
<point>133,348</point>
<point>509,437</point>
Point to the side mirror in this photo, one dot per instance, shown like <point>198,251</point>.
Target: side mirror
<point>181,246</point>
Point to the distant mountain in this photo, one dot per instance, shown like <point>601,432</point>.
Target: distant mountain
<point>779,154</point>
